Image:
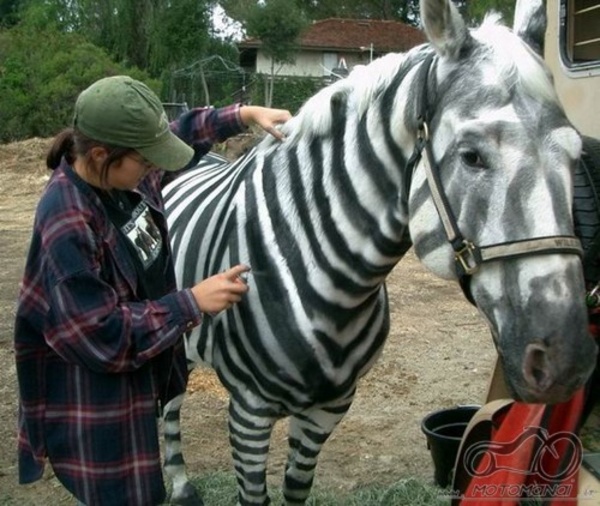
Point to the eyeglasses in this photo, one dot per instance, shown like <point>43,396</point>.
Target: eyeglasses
<point>146,164</point>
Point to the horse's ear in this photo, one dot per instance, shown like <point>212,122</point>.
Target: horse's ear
<point>530,23</point>
<point>445,27</point>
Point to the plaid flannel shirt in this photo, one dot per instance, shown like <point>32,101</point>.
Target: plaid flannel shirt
<point>92,358</point>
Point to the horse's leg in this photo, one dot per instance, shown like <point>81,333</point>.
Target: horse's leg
<point>250,436</point>
<point>184,493</point>
<point>308,431</point>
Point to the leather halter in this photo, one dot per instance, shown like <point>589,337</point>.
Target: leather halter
<point>469,256</point>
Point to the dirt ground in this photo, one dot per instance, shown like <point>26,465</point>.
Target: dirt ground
<point>439,354</point>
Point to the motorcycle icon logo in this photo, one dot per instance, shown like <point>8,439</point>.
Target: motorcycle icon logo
<point>554,457</point>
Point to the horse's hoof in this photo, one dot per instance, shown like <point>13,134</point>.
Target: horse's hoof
<point>188,497</point>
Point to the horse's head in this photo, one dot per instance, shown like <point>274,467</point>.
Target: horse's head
<point>503,153</point>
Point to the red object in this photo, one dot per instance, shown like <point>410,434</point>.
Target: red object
<point>532,451</point>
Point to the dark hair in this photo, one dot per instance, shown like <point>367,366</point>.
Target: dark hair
<point>70,143</point>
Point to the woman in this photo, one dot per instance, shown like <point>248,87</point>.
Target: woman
<point>99,324</point>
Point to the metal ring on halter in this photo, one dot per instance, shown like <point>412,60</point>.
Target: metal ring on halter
<point>423,132</point>
<point>592,298</point>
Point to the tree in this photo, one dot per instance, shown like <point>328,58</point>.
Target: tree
<point>406,11</point>
<point>40,13</point>
<point>42,72</point>
<point>399,10</point>
<point>148,34</point>
<point>277,24</point>
<point>9,12</point>
<point>158,36</point>
<point>475,11</point>
<point>180,34</point>
<point>122,27</point>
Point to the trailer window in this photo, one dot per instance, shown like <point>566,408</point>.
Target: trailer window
<point>580,33</point>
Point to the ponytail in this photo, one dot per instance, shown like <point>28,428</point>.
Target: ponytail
<point>63,146</point>
<point>71,143</point>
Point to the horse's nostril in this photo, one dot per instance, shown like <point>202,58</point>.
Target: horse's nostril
<point>537,370</point>
<point>538,375</point>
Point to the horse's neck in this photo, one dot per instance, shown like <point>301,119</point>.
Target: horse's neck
<point>353,198</point>
<point>351,178</point>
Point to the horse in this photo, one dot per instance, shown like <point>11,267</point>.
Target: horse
<point>459,148</point>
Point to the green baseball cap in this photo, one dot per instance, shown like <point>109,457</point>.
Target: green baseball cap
<point>120,111</point>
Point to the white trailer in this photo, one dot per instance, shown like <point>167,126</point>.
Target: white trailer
<point>572,50</point>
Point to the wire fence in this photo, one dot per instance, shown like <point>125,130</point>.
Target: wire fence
<point>214,81</point>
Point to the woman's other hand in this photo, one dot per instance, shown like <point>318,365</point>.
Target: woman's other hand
<point>265,117</point>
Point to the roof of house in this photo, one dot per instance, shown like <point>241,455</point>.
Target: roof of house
<point>355,35</point>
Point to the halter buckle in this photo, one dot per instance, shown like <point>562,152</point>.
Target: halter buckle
<point>467,258</point>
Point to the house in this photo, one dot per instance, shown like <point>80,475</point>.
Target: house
<point>335,45</point>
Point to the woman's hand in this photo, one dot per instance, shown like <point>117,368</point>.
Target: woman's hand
<point>265,117</point>
<point>221,291</point>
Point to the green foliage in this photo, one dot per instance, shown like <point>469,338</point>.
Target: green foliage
<point>41,74</point>
<point>43,15</point>
<point>215,80</point>
<point>278,24</point>
<point>51,49</point>
<point>476,11</point>
<point>181,51</point>
<point>55,48</point>
<point>159,36</point>
<point>220,87</point>
<point>9,12</point>
<point>289,92</point>
<point>398,10</point>
<point>149,34</point>
<point>180,34</point>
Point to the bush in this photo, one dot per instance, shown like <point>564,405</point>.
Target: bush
<point>289,92</point>
<point>41,74</point>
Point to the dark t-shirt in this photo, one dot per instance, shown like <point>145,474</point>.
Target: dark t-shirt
<point>133,217</point>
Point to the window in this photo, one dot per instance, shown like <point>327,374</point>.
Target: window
<point>580,34</point>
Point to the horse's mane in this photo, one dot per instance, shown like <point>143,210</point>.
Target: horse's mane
<point>360,87</point>
<point>512,59</point>
<point>515,60</point>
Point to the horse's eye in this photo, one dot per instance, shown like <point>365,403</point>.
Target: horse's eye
<point>472,159</point>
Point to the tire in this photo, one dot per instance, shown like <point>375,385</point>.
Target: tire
<point>586,214</point>
<point>586,207</point>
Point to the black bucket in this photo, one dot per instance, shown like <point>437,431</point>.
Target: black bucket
<point>444,430</point>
